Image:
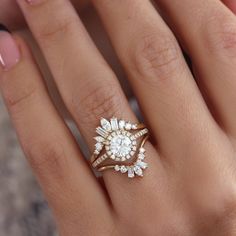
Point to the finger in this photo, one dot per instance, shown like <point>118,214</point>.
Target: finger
<point>231,4</point>
<point>163,84</point>
<point>87,85</point>
<point>91,89</point>
<point>213,53</point>
<point>51,150</point>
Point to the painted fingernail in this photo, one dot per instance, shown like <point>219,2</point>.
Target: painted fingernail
<point>9,51</point>
<point>33,1</point>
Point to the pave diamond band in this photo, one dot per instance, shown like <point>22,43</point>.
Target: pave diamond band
<point>120,141</point>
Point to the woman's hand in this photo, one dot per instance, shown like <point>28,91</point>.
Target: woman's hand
<point>13,17</point>
<point>189,186</point>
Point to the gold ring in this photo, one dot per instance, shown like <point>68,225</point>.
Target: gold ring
<point>120,146</point>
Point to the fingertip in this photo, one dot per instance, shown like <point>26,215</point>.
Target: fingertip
<point>9,50</point>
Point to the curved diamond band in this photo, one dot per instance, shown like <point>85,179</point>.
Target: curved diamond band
<point>118,142</point>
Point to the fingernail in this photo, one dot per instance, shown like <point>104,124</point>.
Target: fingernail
<point>33,1</point>
<point>9,51</point>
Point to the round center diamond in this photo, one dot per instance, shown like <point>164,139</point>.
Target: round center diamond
<point>120,145</point>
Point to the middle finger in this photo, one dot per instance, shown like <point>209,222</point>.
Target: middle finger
<point>166,90</point>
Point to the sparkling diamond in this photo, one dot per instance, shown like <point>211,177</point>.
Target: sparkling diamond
<point>134,126</point>
<point>121,124</point>
<point>117,168</point>
<point>142,164</point>
<point>132,153</point>
<point>128,126</point>
<point>114,124</point>
<point>141,150</point>
<point>120,145</point>
<point>141,156</point>
<point>123,169</point>
<point>98,146</point>
<point>99,139</point>
<point>105,124</point>
<point>131,172</point>
<point>96,152</point>
<point>101,132</point>
<point>138,171</point>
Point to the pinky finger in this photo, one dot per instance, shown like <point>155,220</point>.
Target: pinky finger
<point>51,150</point>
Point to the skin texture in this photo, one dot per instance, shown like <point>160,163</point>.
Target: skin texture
<point>189,188</point>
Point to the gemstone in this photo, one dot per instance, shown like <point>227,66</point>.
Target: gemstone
<point>141,156</point>
<point>99,139</point>
<point>105,124</point>
<point>98,146</point>
<point>132,153</point>
<point>123,169</point>
<point>142,164</point>
<point>96,152</point>
<point>138,171</point>
<point>101,132</point>
<point>121,124</point>
<point>134,126</point>
<point>128,126</point>
<point>131,172</point>
<point>141,150</point>
<point>117,168</point>
<point>120,145</point>
<point>114,124</point>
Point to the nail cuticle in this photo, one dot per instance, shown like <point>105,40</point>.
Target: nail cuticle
<point>9,51</point>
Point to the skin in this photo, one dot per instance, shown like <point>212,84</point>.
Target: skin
<point>189,188</point>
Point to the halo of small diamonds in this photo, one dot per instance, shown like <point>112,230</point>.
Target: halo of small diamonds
<point>117,140</point>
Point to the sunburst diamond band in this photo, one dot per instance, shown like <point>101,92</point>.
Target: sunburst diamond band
<point>120,146</point>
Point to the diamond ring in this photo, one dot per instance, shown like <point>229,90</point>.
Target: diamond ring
<point>120,146</point>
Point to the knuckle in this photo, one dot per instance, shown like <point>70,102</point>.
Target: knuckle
<point>221,215</point>
<point>99,101</point>
<point>46,157</point>
<point>220,35</point>
<point>156,57</point>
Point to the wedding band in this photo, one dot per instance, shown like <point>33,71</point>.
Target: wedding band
<point>120,146</point>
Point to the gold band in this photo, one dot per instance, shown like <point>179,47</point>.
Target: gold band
<point>118,142</point>
<point>96,160</point>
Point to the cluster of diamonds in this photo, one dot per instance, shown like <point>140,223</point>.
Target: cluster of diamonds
<point>117,139</point>
<point>136,168</point>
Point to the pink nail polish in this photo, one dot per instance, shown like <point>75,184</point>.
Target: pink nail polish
<point>9,51</point>
<point>33,1</point>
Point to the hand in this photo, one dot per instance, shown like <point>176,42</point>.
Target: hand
<point>189,186</point>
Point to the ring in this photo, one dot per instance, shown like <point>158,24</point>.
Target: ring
<point>120,146</point>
